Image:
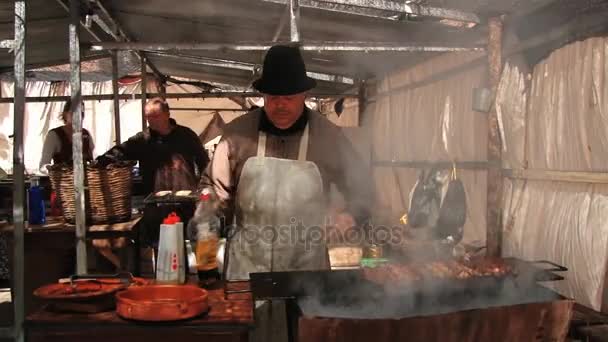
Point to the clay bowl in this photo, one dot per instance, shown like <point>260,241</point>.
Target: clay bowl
<point>156,303</point>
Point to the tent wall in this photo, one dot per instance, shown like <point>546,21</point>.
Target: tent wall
<point>425,114</point>
<point>41,117</point>
<point>557,119</point>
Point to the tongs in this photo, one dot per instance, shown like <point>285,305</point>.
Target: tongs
<point>125,278</point>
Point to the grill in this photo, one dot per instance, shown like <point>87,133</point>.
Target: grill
<point>333,305</point>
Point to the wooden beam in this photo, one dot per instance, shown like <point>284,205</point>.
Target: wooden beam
<point>558,176</point>
<point>494,190</point>
<point>421,164</point>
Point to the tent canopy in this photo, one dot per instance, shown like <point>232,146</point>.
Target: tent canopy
<point>231,21</point>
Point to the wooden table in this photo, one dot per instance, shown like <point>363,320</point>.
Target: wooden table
<point>50,250</point>
<point>228,320</point>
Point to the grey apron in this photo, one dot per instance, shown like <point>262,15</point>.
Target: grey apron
<point>280,206</point>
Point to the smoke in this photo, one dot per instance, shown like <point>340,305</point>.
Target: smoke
<point>348,298</point>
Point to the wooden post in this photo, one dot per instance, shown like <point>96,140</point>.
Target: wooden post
<point>494,190</point>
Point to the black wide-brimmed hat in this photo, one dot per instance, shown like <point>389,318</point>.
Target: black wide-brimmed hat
<point>284,72</point>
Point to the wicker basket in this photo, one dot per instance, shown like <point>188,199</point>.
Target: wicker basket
<point>107,195</point>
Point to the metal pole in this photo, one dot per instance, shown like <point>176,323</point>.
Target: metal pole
<point>223,63</point>
<point>7,44</point>
<point>144,94</point>
<point>123,36</point>
<point>494,190</point>
<point>309,46</point>
<point>294,20</point>
<point>205,95</point>
<point>385,8</point>
<point>115,93</point>
<point>209,109</point>
<point>76,94</point>
<point>18,173</point>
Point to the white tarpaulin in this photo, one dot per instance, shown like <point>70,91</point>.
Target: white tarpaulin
<point>414,119</point>
<point>563,223</point>
<point>568,113</point>
<point>511,108</point>
<point>565,128</point>
<point>40,117</point>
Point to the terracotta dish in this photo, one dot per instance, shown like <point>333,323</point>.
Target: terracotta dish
<point>162,302</point>
<point>90,295</point>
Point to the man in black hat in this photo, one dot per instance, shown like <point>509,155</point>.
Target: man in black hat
<point>273,169</point>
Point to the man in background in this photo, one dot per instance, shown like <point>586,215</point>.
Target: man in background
<point>171,157</point>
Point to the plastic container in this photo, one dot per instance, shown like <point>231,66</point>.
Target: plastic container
<point>171,264</point>
<point>37,213</point>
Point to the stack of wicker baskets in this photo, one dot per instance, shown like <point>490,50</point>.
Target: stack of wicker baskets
<point>108,192</point>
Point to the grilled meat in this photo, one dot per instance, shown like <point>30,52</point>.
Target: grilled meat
<point>492,267</point>
<point>444,270</point>
<point>392,274</point>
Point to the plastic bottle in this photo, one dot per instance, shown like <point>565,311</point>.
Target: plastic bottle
<point>171,266</point>
<point>204,229</point>
<point>37,210</point>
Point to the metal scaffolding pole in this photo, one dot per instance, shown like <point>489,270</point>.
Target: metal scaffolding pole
<point>76,97</point>
<point>116,100</point>
<point>18,283</point>
<point>117,34</point>
<point>206,95</point>
<point>144,92</point>
<point>209,109</point>
<point>391,10</point>
<point>7,44</point>
<point>120,35</point>
<point>343,9</point>
<point>307,46</point>
<point>294,20</point>
<point>228,64</point>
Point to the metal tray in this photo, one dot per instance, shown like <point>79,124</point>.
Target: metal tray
<point>170,199</point>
